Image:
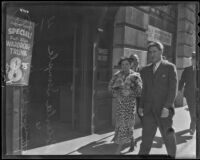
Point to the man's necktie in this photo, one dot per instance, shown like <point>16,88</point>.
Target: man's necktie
<point>154,68</point>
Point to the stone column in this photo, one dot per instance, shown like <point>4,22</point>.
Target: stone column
<point>129,37</point>
<point>185,41</point>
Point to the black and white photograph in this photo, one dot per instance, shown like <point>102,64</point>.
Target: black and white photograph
<point>92,79</point>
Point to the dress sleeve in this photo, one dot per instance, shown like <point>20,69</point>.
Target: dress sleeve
<point>111,86</point>
<point>136,86</point>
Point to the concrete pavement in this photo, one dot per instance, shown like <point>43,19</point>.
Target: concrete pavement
<point>100,144</point>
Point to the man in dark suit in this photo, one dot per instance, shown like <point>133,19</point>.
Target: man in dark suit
<point>157,100</point>
<point>188,81</point>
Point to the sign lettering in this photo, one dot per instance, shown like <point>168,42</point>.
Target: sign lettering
<point>19,43</point>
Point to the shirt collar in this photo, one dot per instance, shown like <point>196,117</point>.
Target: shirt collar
<point>158,63</point>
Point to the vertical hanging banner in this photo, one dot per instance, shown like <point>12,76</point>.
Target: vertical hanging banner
<point>19,44</point>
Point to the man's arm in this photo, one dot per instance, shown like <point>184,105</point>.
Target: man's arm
<point>172,88</point>
<point>142,74</point>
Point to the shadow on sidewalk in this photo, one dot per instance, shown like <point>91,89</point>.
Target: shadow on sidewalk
<point>106,147</point>
<point>100,147</point>
<point>180,138</point>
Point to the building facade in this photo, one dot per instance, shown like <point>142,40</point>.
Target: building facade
<point>173,25</point>
<point>87,43</point>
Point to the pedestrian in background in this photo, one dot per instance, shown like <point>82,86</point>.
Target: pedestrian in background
<point>188,82</point>
<point>135,67</point>
<point>125,86</point>
<point>135,62</point>
<point>157,100</point>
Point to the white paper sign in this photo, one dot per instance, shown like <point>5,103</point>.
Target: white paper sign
<point>156,34</point>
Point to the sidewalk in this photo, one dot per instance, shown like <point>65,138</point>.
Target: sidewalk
<point>100,144</point>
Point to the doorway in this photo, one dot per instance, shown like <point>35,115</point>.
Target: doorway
<point>56,33</point>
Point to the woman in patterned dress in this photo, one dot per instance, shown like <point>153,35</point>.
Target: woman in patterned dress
<point>125,86</point>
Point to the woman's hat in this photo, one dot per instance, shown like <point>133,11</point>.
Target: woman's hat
<point>123,59</point>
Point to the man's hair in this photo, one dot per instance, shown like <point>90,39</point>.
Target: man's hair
<point>157,44</point>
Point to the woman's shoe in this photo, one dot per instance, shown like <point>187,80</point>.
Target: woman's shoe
<point>192,128</point>
<point>132,146</point>
<point>192,131</point>
<point>113,139</point>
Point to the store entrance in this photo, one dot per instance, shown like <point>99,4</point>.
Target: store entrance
<point>54,79</point>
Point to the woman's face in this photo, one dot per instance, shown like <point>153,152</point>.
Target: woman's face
<point>125,65</point>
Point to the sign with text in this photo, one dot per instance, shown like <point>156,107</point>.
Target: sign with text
<point>156,34</point>
<point>19,44</point>
<point>102,54</point>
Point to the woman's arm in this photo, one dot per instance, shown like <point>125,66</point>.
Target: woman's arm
<point>136,86</point>
<point>115,90</point>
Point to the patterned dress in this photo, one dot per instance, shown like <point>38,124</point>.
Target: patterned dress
<point>125,105</point>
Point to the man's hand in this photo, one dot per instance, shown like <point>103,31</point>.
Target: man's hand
<point>165,113</point>
<point>180,92</point>
<point>140,111</point>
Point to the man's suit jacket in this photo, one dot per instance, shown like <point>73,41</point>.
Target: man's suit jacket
<point>188,78</point>
<point>159,88</point>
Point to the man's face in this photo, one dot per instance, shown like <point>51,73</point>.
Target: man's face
<point>154,54</point>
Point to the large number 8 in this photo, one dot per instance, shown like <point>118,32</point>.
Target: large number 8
<point>15,73</point>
